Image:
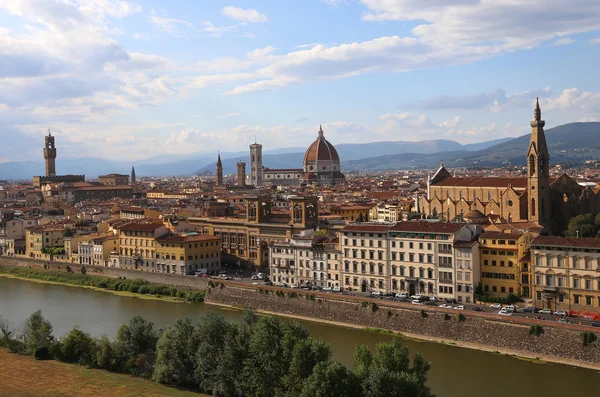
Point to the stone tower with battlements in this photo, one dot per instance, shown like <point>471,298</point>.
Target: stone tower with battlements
<point>241,173</point>
<point>50,155</point>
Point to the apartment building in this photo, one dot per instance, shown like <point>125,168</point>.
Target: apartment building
<point>187,253</point>
<point>39,238</point>
<point>505,263</point>
<point>415,257</point>
<point>306,262</point>
<point>566,273</point>
<point>386,213</point>
<point>97,249</point>
<point>137,245</point>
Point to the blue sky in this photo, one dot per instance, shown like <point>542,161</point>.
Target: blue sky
<point>131,80</point>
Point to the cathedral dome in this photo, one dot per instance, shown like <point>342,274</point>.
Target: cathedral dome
<point>321,151</point>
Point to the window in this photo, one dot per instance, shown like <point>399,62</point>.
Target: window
<point>588,300</point>
<point>494,289</point>
<point>575,283</point>
<point>538,280</point>
<point>588,284</point>
<point>486,288</point>
<point>576,299</point>
<point>459,276</point>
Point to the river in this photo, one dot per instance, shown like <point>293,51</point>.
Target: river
<point>455,371</point>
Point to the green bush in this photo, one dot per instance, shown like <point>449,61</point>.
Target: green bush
<point>588,338</point>
<point>423,314</point>
<point>460,317</point>
<point>536,330</point>
<point>42,353</point>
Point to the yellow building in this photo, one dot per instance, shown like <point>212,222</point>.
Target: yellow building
<point>566,273</point>
<point>504,263</point>
<point>39,237</point>
<point>137,245</point>
<point>351,212</point>
<point>187,253</point>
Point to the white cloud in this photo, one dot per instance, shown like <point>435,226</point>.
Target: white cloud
<point>139,36</point>
<point>228,115</point>
<point>335,3</point>
<point>451,123</point>
<point>496,100</point>
<point>563,41</point>
<point>571,100</point>
<point>595,41</point>
<point>245,15</point>
<point>218,31</point>
<point>170,25</point>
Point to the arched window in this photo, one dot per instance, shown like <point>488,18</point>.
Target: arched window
<point>532,206</point>
<point>531,165</point>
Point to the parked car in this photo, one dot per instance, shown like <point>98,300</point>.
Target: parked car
<point>505,313</point>
<point>445,306</point>
<point>295,286</point>
<point>561,313</point>
<point>545,311</point>
<point>496,306</point>
<point>261,276</point>
<point>509,308</point>
<point>376,294</point>
<point>432,298</point>
<point>478,309</point>
<point>327,289</point>
<point>528,309</point>
<point>416,302</point>
<point>596,324</point>
<point>418,296</point>
<point>337,289</point>
<point>402,295</point>
<point>450,300</point>
<point>563,320</point>
<point>254,277</point>
<point>459,307</point>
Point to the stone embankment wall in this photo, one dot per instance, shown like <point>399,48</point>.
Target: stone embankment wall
<point>557,341</point>
<point>186,282</point>
<point>562,341</point>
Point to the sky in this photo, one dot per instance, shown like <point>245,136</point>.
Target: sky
<point>132,80</point>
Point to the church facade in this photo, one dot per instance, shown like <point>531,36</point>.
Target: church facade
<point>321,166</point>
<point>534,200</point>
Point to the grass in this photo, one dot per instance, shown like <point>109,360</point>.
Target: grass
<point>23,376</point>
<point>133,288</point>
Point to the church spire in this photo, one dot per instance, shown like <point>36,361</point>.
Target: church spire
<point>219,171</point>
<point>320,132</point>
<point>219,159</point>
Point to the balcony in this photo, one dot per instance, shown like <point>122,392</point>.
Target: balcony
<point>446,280</point>
<point>445,251</point>
<point>448,265</point>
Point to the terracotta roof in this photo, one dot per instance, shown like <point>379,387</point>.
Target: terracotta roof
<point>143,227</point>
<point>515,182</point>
<point>366,228</point>
<point>427,227</point>
<point>321,150</point>
<point>501,235</point>
<point>179,238</point>
<point>581,242</point>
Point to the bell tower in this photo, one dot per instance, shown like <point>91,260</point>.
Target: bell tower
<point>50,155</point>
<point>256,172</point>
<point>219,171</point>
<point>538,172</point>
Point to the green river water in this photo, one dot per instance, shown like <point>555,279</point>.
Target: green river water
<point>455,371</point>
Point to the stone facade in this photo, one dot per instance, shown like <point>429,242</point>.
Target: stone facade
<point>536,198</point>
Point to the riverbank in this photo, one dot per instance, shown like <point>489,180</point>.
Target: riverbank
<point>516,354</point>
<point>129,288</point>
<point>23,376</point>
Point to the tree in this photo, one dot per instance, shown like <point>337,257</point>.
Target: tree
<point>390,373</point>
<point>269,356</point>
<point>37,333</point>
<point>135,346</point>
<point>212,331</point>
<point>78,347</point>
<point>306,354</point>
<point>582,226</point>
<point>331,380</point>
<point>363,358</point>
<point>176,354</point>
<point>105,357</point>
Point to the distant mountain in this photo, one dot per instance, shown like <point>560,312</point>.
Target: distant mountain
<point>573,142</point>
<point>354,151</point>
<point>190,164</point>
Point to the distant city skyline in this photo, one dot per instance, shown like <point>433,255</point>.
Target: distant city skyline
<point>130,80</point>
